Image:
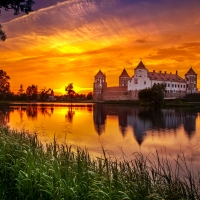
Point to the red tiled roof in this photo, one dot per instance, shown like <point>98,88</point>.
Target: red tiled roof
<point>141,66</point>
<point>99,74</point>
<point>124,73</point>
<point>191,72</point>
<point>165,77</point>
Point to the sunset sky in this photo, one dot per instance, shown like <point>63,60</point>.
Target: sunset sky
<point>69,41</point>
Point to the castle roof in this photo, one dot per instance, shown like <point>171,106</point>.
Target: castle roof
<point>141,66</point>
<point>159,76</point>
<point>100,74</point>
<point>124,73</point>
<point>191,72</point>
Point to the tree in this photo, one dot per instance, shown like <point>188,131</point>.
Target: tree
<point>90,96</point>
<point>21,90</point>
<point>44,94</point>
<point>2,34</point>
<point>155,94</point>
<point>21,95</point>
<point>4,84</point>
<point>70,92</point>
<point>158,93</point>
<point>145,95</point>
<point>32,92</point>
<point>17,6</point>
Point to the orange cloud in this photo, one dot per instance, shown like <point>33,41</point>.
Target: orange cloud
<point>72,40</point>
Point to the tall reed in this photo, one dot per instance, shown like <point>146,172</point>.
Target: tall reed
<point>28,170</point>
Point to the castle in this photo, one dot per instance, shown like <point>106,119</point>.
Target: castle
<point>175,86</point>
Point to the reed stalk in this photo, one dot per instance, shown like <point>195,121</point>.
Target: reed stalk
<point>29,170</point>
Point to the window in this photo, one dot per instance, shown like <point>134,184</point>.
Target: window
<point>145,82</point>
<point>172,85</point>
<point>175,85</point>
<point>168,85</point>
<point>135,81</point>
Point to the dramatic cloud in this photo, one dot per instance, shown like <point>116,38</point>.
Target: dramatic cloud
<point>69,41</point>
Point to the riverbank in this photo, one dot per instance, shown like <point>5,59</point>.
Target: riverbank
<point>166,103</point>
<point>29,170</point>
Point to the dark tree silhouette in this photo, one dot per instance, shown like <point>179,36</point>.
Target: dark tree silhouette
<point>154,94</point>
<point>21,95</point>
<point>32,92</point>
<point>44,94</point>
<point>2,34</point>
<point>70,92</point>
<point>21,90</point>
<point>17,6</point>
<point>90,96</point>
<point>4,84</point>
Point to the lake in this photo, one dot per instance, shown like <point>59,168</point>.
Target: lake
<point>118,128</point>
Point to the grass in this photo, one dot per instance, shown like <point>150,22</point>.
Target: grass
<point>29,170</point>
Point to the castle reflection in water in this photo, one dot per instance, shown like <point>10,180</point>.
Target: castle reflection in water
<point>143,120</point>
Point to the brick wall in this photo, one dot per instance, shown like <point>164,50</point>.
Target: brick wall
<point>116,95</point>
<point>121,93</point>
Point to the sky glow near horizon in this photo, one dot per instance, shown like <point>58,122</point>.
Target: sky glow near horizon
<point>69,41</point>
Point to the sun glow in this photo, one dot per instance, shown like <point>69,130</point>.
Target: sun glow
<point>89,37</point>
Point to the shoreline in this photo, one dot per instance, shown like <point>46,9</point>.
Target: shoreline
<point>167,103</point>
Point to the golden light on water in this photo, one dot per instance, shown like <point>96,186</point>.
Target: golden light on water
<point>78,126</point>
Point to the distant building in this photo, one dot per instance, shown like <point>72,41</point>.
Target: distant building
<point>128,88</point>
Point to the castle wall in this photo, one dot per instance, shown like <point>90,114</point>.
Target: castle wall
<point>175,94</point>
<point>116,93</point>
<point>119,93</point>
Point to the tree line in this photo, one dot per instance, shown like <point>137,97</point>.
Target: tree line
<point>32,93</point>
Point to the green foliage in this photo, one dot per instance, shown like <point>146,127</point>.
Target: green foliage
<point>145,95</point>
<point>4,84</point>
<point>154,94</point>
<point>28,170</point>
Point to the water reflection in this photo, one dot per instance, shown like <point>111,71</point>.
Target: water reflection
<point>4,116</point>
<point>141,121</point>
<point>70,114</point>
<point>145,120</point>
<point>99,117</point>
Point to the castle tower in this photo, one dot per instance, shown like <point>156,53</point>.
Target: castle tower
<point>99,85</point>
<point>191,81</point>
<point>140,70</point>
<point>124,78</point>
